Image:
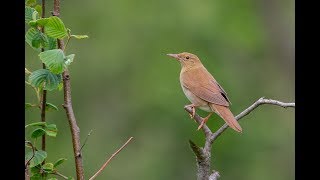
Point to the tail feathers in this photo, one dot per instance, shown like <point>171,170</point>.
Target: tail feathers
<point>227,116</point>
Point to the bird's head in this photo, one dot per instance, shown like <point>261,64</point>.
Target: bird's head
<point>187,59</point>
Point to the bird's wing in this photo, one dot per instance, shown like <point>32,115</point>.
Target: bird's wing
<point>201,83</point>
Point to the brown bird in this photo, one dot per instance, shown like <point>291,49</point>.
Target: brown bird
<point>203,90</point>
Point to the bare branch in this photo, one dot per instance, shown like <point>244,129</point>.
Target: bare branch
<point>107,162</point>
<point>33,149</point>
<point>204,154</point>
<point>85,140</point>
<point>75,131</point>
<point>244,113</point>
<point>197,151</point>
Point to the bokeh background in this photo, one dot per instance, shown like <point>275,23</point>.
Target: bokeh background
<point>124,85</point>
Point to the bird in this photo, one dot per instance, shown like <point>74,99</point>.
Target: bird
<point>203,91</point>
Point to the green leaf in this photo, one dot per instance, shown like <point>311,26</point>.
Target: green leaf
<point>50,106</point>
<point>35,15</point>
<point>55,28</point>
<point>70,178</point>
<point>28,105</point>
<point>39,157</point>
<point>42,21</point>
<point>38,8</point>
<point>45,77</point>
<point>48,167</point>
<point>51,130</point>
<point>59,161</point>
<point>69,59</point>
<point>80,36</point>
<point>35,38</point>
<point>30,14</point>
<point>38,132</point>
<point>36,177</point>
<point>30,35</point>
<point>52,44</point>
<point>54,60</point>
<point>33,23</point>
<point>35,169</point>
<point>42,124</point>
<point>31,2</point>
<point>52,179</point>
<point>60,86</point>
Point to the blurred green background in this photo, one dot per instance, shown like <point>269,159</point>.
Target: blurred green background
<point>123,85</point>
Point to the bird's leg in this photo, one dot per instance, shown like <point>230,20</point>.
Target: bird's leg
<point>193,107</point>
<point>204,120</point>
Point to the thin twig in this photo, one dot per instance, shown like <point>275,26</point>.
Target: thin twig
<point>244,113</point>
<point>107,162</point>
<point>61,175</point>
<point>75,131</point>
<point>33,149</point>
<point>85,140</point>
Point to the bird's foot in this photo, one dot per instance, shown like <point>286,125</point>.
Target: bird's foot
<point>204,120</point>
<point>193,107</point>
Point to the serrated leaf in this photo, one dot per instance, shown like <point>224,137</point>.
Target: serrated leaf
<point>30,35</point>
<point>29,14</point>
<point>28,105</point>
<point>42,21</point>
<point>48,167</point>
<point>35,15</point>
<point>52,44</point>
<point>42,124</point>
<point>39,157</point>
<point>69,59</point>
<point>31,2</point>
<point>35,169</point>
<point>34,38</point>
<point>55,28</point>
<point>45,77</point>
<point>50,106</point>
<point>36,177</point>
<point>51,130</point>
<point>38,132</point>
<point>59,161</point>
<point>80,36</point>
<point>33,23</point>
<point>38,8</point>
<point>54,60</point>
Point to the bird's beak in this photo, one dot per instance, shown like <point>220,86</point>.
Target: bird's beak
<point>174,56</point>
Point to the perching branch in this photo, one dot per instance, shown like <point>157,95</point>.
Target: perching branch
<point>259,102</point>
<point>107,162</point>
<point>203,155</point>
<point>75,131</point>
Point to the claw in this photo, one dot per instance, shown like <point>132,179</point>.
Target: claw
<point>193,110</point>
<point>204,120</point>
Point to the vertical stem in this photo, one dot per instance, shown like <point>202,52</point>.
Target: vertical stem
<point>44,92</point>
<point>75,131</point>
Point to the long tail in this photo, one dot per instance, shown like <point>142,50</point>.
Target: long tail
<point>227,116</point>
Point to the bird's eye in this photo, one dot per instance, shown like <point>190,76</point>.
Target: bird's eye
<point>187,57</point>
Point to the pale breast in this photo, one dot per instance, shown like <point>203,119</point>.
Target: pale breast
<point>203,105</point>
